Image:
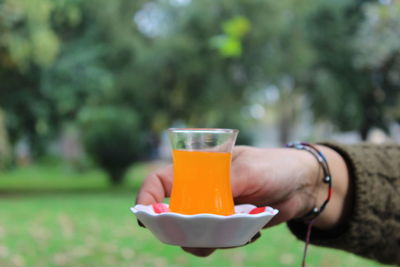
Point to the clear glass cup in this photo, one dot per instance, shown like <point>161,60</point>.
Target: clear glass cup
<point>202,170</point>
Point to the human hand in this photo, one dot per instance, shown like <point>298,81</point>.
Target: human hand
<point>286,179</point>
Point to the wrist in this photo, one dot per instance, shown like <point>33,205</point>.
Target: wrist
<point>331,210</point>
<point>337,209</point>
<point>312,186</point>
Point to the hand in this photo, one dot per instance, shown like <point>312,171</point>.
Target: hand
<point>286,179</point>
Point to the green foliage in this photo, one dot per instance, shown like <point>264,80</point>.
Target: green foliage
<point>26,32</point>
<point>27,43</point>
<point>353,83</point>
<point>113,137</point>
<point>183,78</point>
<point>236,27</point>
<point>5,149</point>
<point>77,78</point>
<point>168,72</point>
<point>229,44</point>
<point>381,58</point>
<point>380,22</point>
<point>196,62</point>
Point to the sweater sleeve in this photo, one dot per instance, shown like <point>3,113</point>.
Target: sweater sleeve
<point>373,228</point>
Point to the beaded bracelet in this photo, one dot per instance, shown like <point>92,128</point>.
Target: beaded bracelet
<point>311,216</point>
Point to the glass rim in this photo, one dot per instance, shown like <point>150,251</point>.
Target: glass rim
<point>202,130</point>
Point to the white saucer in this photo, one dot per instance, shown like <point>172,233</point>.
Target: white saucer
<point>204,230</point>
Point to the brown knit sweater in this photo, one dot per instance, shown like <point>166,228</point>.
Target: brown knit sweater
<point>373,229</point>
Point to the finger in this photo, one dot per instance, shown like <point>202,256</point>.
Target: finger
<point>255,238</point>
<point>199,252</point>
<point>237,150</point>
<point>156,187</point>
<point>287,211</point>
<point>252,240</point>
<point>238,172</point>
<point>205,252</point>
<point>140,223</point>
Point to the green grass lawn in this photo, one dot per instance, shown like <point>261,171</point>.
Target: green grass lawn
<point>51,216</point>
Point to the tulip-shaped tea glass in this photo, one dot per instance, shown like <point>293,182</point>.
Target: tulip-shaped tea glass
<point>202,166</point>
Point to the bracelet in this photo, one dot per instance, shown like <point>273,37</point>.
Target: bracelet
<point>310,216</point>
<point>320,157</point>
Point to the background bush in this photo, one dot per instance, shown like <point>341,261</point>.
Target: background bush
<point>113,138</point>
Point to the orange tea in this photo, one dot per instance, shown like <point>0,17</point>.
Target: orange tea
<point>201,183</point>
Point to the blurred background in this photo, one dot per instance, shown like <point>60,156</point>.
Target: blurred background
<point>88,87</point>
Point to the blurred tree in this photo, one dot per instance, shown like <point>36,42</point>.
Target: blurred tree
<point>51,67</point>
<point>196,62</point>
<point>200,60</point>
<point>381,59</point>
<point>112,137</point>
<point>27,35</point>
<point>344,88</point>
<point>5,149</point>
<point>27,44</point>
<point>190,61</point>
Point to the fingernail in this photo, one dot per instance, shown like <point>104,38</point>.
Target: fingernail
<point>140,224</point>
<point>255,237</point>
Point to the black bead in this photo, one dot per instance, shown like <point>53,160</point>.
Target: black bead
<point>327,179</point>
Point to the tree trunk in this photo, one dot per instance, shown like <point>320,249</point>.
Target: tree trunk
<point>366,124</point>
<point>116,176</point>
<point>5,149</point>
<point>284,130</point>
<point>364,133</point>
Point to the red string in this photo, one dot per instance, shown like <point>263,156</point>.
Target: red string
<point>327,179</point>
<point>310,225</point>
<point>329,193</point>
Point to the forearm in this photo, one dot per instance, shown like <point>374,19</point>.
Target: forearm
<point>371,227</point>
